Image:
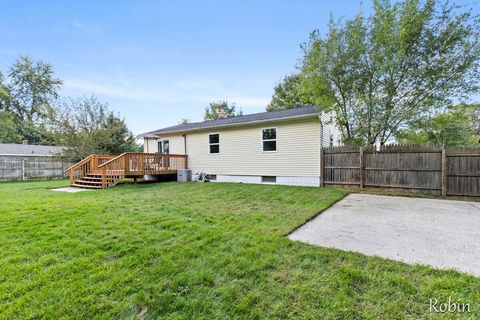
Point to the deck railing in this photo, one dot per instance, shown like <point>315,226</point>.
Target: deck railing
<point>86,166</point>
<point>80,169</point>
<point>134,164</point>
<point>129,164</point>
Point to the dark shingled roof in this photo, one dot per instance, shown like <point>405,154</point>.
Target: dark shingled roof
<point>28,149</point>
<point>263,116</point>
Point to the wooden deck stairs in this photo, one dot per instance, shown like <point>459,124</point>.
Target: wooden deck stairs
<point>105,171</point>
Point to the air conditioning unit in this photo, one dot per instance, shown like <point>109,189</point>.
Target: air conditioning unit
<point>184,175</point>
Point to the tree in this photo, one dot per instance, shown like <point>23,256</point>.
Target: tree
<point>288,94</point>
<point>211,112</point>
<point>4,96</point>
<point>86,126</point>
<point>184,121</point>
<point>383,72</point>
<point>119,138</point>
<point>28,95</point>
<point>456,127</point>
<point>8,129</point>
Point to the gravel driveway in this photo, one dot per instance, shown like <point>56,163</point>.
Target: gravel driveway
<point>441,233</point>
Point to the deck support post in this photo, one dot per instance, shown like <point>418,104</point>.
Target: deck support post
<point>126,164</point>
<point>140,163</point>
<point>104,177</point>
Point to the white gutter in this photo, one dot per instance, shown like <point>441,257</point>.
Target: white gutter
<point>247,123</point>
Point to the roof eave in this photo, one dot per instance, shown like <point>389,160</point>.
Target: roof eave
<point>302,116</point>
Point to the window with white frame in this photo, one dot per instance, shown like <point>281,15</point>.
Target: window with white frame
<point>269,139</point>
<point>214,143</point>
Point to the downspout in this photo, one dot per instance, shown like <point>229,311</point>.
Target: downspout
<point>321,129</point>
<point>185,149</point>
<point>320,164</point>
<point>184,143</point>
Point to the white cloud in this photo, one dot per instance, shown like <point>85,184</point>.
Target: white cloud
<point>193,90</point>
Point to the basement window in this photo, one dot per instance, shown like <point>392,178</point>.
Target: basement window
<point>269,179</point>
<point>269,139</point>
<point>214,143</point>
<point>212,177</point>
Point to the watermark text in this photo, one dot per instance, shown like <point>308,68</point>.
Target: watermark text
<point>449,306</point>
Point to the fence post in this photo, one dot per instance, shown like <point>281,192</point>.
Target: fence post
<point>444,172</point>
<point>360,155</point>
<point>23,169</point>
<point>322,168</point>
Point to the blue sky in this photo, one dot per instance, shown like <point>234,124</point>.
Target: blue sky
<point>156,62</point>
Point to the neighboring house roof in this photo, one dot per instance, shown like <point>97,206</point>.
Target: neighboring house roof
<point>28,149</point>
<point>237,120</point>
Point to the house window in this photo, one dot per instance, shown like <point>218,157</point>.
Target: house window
<point>164,146</point>
<point>214,143</point>
<point>269,139</point>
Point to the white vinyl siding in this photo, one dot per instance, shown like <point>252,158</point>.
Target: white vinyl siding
<point>176,144</point>
<point>298,150</point>
<point>331,133</point>
<point>150,145</point>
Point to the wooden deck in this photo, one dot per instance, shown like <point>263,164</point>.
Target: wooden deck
<point>104,171</point>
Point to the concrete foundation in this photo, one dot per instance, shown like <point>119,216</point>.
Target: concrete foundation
<point>310,181</point>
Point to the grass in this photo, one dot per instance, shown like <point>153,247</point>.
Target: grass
<point>204,251</point>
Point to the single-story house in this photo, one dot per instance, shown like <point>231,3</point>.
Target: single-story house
<point>14,149</point>
<point>280,147</point>
<point>26,162</point>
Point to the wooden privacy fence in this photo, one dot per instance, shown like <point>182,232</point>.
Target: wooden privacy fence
<point>31,167</point>
<point>427,168</point>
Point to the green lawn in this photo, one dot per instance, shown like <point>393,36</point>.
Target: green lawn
<point>183,251</point>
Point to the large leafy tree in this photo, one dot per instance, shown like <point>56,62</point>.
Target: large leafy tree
<point>86,126</point>
<point>457,127</point>
<point>8,130</point>
<point>382,72</point>
<point>4,96</point>
<point>119,138</point>
<point>28,93</point>
<point>288,94</point>
<point>211,112</point>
